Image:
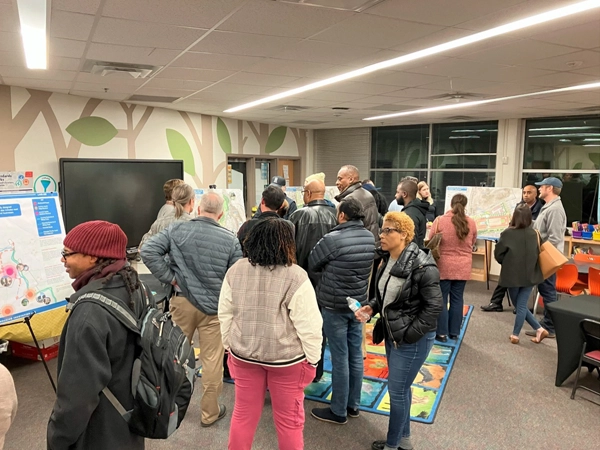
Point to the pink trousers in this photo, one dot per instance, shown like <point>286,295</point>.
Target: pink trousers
<point>286,386</point>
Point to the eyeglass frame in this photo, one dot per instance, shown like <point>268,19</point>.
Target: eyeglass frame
<point>388,230</point>
<point>65,254</point>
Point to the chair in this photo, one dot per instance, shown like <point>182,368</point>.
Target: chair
<point>538,301</point>
<point>591,339</point>
<point>567,280</point>
<point>594,281</point>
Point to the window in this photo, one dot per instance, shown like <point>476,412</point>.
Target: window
<point>567,148</point>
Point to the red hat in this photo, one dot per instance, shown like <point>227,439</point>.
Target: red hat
<point>98,238</point>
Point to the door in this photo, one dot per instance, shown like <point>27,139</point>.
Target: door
<point>237,176</point>
<point>286,169</point>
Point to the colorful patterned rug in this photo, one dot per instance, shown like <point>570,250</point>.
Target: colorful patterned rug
<point>427,390</point>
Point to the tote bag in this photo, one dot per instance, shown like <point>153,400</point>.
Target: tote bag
<point>550,259</point>
<point>434,242</point>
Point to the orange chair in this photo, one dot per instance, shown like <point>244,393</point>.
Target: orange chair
<point>594,281</point>
<point>567,280</point>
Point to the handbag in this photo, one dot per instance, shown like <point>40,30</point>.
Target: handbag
<point>550,258</point>
<point>433,243</point>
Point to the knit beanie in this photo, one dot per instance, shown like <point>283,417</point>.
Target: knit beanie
<point>98,238</point>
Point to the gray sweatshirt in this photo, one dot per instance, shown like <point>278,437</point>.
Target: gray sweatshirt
<point>552,222</point>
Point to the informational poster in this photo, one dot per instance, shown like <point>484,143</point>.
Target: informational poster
<point>32,276</point>
<point>490,207</point>
<point>16,181</point>
<point>234,212</point>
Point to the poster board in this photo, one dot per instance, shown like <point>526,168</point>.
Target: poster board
<point>32,276</point>
<point>490,207</point>
<point>295,193</point>
<point>234,211</point>
<point>16,182</point>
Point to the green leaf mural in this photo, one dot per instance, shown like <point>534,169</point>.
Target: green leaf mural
<point>595,158</point>
<point>223,136</point>
<point>180,149</point>
<point>276,139</point>
<point>92,130</point>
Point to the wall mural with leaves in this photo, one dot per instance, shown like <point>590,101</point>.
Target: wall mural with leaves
<point>39,127</point>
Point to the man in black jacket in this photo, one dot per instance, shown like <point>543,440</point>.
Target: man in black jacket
<point>416,209</point>
<point>291,204</point>
<point>96,350</point>
<point>272,199</point>
<point>340,264</point>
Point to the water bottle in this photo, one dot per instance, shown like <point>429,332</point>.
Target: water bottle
<point>355,305</point>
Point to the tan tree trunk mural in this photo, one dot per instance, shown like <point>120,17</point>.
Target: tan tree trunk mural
<point>132,132</point>
<point>205,148</point>
<point>261,134</point>
<point>301,143</point>
<point>241,138</point>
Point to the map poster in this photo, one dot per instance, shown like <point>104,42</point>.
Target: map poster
<point>234,212</point>
<point>490,207</point>
<point>32,276</point>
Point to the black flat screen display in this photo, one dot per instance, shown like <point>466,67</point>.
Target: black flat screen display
<point>126,192</point>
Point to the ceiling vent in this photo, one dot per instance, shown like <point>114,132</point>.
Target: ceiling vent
<point>456,97</point>
<point>114,69</point>
<point>341,5</point>
<point>288,108</point>
<point>151,99</point>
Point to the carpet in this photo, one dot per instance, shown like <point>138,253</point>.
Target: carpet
<point>427,390</point>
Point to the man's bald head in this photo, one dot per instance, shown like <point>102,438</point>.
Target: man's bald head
<point>410,187</point>
<point>313,190</point>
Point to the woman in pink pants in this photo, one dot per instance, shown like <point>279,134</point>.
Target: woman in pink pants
<point>271,325</point>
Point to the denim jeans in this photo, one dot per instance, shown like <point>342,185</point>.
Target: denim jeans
<point>404,363</point>
<point>450,319</point>
<point>344,334</point>
<point>547,290</point>
<point>520,297</point>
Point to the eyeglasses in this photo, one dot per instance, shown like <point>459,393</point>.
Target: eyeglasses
<point>305,191</point>
<point>65,254</point>
<point>387,231</point>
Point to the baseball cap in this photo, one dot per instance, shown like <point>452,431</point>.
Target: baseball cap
<point>550,181</point>
<point>278,181</point>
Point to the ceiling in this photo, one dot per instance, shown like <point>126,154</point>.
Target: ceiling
<point>216,54</point>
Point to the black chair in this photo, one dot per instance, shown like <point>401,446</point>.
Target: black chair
<point>590,354</point>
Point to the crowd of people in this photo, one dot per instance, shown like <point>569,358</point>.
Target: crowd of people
<point>261,305</point>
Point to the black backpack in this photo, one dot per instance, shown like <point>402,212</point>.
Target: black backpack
<point>162,380</point>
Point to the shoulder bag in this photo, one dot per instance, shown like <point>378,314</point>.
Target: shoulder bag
<point>433,243</point>
<point>550,258</point>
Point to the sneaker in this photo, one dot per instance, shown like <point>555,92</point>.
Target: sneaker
<point>378,445</point>
<point>222,413</point>
<point>492,307</point>
<point>533,333</point>
<point>326,415</point>
<point>352,412</point>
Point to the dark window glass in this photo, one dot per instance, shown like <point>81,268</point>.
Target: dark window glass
<point>563,144</point>
<point>399,147</point>
<point>460,138</point>
<point>463,162</point>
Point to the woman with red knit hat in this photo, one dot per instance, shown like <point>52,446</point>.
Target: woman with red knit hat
<point>96,349</point>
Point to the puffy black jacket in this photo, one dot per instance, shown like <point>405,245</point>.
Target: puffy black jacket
<point>312,222</point>
<point>340,265</point>
<point>416,210</point>
<point>96,351</point>
<point>367,201</point>
<point>415,310</point>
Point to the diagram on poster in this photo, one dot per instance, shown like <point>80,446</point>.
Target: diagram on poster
<point>234,211</point>
<point>490,207</point>
<point>32,277</point>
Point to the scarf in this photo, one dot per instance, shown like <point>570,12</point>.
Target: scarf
<point>93,274</point>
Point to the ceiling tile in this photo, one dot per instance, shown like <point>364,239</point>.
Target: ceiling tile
<point>295,68</point>
<point>147,90</point>
<point>9,18</point>
<point>281,19</point>
<point>354,87</point>
<point>61,25</point>
<point>235,89</point>
<point>115,96</point>
<point>415,93</point>
<point>333,96</point>
<point>218,96</point>
<point>66,47</point>
<point>200,60</point>
<point>581,36</point>
<point>326,52</point>
<point>260,79</point>
<point>189,13</point>
<point>595,71</point>
<point>78,6</point>
<point>568,62</point>
<point>100,88</point>
<point>141,34</point>
<point>110,80</point>
<point>177,73</point>
<point>23,72</point>
<point>36,84</point>
<point>563,79</point>
<point>10,42</point>
<point>588,97</point>
<point>519,52</point>
<point>439,12</point>
<point>60,63</point>
<point>12,59</point>
<point>383,32</point>
<point>403,79</point>
<point>244,44</point>
<point>436,38</point>
<point>132,55</point>
<point>164,83</point>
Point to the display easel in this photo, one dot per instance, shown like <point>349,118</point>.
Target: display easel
<point>27,321</point>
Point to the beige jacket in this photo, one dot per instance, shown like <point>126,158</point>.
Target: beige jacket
<point>8,402</point>
<point>270,317</point>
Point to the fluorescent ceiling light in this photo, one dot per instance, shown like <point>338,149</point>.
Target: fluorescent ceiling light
<point>477,37</point>
<point>485,102</point>
<point>560,128</point>
<point>564,135</point>
<point>32,14</point>
<point>591,139</point>
<point>564,140</point>
<point>591,145</point>
<point>472,131</point>
<point>464,137</point>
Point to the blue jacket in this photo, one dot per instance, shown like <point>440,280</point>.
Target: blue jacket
<point>340,265</point>
<point>200,252</point>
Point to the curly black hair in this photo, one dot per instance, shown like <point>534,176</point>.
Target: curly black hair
<point>271,243</point>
